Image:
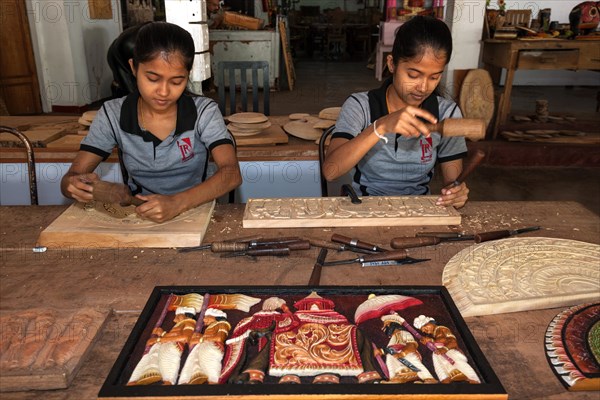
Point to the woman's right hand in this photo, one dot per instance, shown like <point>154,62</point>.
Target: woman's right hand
<point>406,123</point>
<point>80,187</point>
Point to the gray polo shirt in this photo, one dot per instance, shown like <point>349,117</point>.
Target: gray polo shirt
<point>151,165</point>
<point>403,166</point>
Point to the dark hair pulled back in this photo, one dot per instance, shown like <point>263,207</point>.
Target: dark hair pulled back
<point>157,37</point>
<point>419,33</point>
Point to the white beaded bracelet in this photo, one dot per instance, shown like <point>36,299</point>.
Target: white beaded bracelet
<point>377,133</point>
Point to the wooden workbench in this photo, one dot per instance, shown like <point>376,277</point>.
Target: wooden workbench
<point>122,279</point>
<point>548,54</point>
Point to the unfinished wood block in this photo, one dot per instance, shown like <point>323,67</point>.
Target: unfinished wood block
<point>109,226</point>
<point>43,348</point>
<point>521,274</point>
<point>306,212</point>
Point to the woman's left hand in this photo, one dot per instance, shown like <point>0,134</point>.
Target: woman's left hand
<point>455,196</point>
<point>158,207</point>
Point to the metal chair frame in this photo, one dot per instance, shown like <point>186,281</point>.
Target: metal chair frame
<point>328,132</point>
<point>33,192</point>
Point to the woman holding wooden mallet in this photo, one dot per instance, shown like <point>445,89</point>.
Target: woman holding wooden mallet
<point>383,133</point>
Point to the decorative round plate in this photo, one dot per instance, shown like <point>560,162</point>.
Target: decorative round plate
<point>573,346</point>
<point>331,113</point>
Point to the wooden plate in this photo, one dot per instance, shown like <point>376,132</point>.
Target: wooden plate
<point>477,95</point>
<point>298,116</point>
<point>302,129</point>
<point>243,132</point>
<point>259,125</point>
<point>84,122</point>
<point>324,124</point>
<point>248,118</point>
<point>89,115</point>
<point>330,113</point>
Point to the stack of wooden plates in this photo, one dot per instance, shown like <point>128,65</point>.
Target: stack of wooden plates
<point>85,121</point>
<point>305,126</point>
<point>247,123</point>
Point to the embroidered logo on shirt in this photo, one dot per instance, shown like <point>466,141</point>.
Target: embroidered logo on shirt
<point>185,146</point>
<point>426,152</point>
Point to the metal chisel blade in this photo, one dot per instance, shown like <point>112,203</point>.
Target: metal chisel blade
<point>393,262</point>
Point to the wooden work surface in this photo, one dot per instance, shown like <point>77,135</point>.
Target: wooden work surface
<point>122,279</point>
<point>549,54</point>
<point>295,149</point>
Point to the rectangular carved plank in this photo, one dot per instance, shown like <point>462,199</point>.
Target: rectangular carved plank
<point>43,348</point>
<point>307,212</point>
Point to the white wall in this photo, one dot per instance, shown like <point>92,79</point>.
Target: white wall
<point>70,51</point>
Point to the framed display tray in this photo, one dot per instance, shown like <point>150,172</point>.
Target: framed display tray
<point>313,324</point>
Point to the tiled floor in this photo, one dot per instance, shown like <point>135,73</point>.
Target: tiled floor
<point>328,84</point>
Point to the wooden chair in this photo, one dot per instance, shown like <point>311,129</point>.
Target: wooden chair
<point>230,67</point>
<point>33,192</point>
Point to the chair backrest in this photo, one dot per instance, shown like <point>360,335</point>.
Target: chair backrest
<point>33,192</point>
<point>243,66</point>
<point>328,132</point>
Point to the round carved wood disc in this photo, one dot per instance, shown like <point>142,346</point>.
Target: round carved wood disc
<point>243,132</point>
<point>331,113</point>
<point>303,129</point>
<point>248,118</point>
<point>520,274</point>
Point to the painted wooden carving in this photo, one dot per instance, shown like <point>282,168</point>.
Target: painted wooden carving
<point>44,348</point>
<point>573,347</point>
<point>97,224</point>
<point>342,341</point>
<point>520,274</point>
<point>340,211</point>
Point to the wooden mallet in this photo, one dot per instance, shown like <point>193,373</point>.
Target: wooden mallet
<point>471,128</point>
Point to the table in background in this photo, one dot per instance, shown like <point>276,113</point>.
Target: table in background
<point>548,54</point>
<point>122,279</point>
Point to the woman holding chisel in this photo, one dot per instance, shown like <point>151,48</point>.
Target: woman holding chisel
<point>382,133</point>
<point>164,134</point>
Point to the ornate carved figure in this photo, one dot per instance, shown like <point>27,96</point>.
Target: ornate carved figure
<point>313,341</point>
<point>203,364</point>
<point>403,360</point>
<point>162,360</point>
<point>446,344</point>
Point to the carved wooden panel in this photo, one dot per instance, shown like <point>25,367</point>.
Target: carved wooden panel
<point>106,225</point>
<point>573,347</point>
<point>339,211</point>
<point>520,274</point>
<point>44,348</point>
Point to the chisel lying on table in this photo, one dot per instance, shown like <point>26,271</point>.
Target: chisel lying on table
<point>241,244</point>
<point>455,236</point>
<point>355,243</point>
<point>399,257</point>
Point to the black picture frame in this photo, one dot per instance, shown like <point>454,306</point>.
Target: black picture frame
<point>490,386</point>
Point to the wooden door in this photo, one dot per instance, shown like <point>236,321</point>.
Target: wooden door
<point>18,77</point>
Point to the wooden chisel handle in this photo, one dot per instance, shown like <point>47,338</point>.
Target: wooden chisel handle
<point>470,166</point>
<point>222,247</point>
<point>354,242</point>
<point>486,236</point>
<point>409,242</point>
<point>386,256</point>
<point>471,128</point>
